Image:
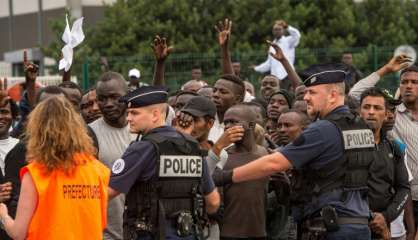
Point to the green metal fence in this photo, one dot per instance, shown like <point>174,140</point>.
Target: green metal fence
<point>178,66</point>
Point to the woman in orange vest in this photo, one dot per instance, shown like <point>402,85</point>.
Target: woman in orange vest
<point>64,188</point>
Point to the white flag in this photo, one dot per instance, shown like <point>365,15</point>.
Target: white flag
<point>72,38</point>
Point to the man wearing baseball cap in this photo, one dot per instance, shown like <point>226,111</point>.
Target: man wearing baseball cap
<point>134,76</point>
<point>203,111</point>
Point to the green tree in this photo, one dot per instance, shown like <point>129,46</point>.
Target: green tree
<point>328,28</point>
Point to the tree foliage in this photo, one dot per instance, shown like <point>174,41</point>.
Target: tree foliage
<point>328,26</point>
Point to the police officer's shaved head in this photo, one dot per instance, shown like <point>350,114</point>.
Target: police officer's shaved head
<point>324,88</point>
<point>339,87</point>
<point>161,108</point>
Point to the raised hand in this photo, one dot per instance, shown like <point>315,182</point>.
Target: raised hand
<point>160,48</point>
<point>31,69</point>
<point>4,97</point>
<point>184,122</point>
<point>278,55</point>
<point>283,23</point>
<point>224,31</point>
<point>231,135</point>
<point>397,63</point>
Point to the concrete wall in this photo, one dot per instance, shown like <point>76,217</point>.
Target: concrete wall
<point>25,20</point>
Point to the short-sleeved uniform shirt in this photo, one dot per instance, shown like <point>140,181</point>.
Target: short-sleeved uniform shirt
<point>320,144</point>
<point>139,163</point>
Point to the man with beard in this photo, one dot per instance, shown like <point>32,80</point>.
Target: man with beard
<point>244,203</point>
<point>112,132</point>
<point>388,180</point>
<point>202,111</point>
<point>333,197</point>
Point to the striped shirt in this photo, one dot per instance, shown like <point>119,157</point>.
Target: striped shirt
<point>406,129</point>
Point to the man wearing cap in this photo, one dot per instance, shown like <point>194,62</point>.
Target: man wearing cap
<point>134,83</point>
<point>203,112</point>
<point>182,98</point>
<point>161,175</point>
<point>333,194</point>
<point>388,181</point>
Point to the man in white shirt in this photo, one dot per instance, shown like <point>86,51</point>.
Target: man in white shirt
<point>286,43</point>
<point>112,132</point>
<point>227,91</point>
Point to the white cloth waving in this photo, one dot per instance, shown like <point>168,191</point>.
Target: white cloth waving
<point>72,39</point>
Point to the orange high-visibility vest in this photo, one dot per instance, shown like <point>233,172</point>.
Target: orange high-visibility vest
<point>69,206</point>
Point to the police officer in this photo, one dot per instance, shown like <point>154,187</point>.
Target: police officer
<point>332,155</point>
<point>161,175</point>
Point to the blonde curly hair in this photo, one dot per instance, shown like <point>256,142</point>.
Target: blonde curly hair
<point>55,133</point>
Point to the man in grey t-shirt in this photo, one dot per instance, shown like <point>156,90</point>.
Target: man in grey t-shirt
<point>113,137</point>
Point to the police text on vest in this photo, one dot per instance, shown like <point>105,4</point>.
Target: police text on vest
<point>180,166</point>
<point>358,139</point>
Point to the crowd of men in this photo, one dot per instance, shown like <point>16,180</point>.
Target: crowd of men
<point>323,154</point>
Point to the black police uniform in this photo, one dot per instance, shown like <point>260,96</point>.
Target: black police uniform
<point>331,158</point>
<point>163,176</point>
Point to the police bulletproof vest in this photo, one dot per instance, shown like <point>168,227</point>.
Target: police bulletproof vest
<point>173,188</point>
<point>349,172</point>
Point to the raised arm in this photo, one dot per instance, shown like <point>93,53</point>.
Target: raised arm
<point>4,97</point>
<point>31,72</point>
<point>294,35</point>
<point>66,76</point>
<point>279,56</point>
<point>224,35</point>
<point>395,64</point>
<point>161,52</point>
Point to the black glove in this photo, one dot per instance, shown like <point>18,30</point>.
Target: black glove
<point>222,177</point>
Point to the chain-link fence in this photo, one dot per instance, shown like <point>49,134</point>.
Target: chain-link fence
<point>178,66</point>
